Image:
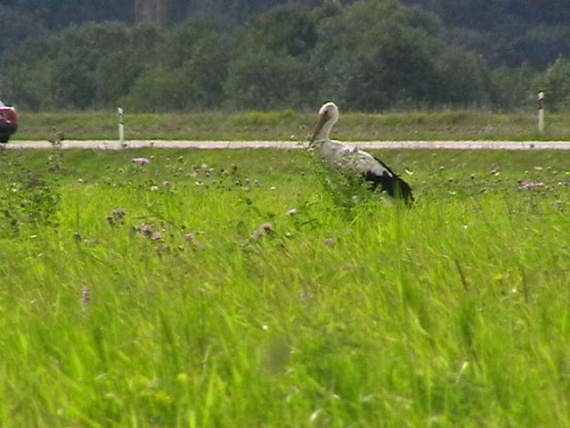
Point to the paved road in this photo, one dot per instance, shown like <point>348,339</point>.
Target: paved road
<point>291,145</point>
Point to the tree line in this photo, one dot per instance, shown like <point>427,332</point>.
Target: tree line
<point>369,55</point>
<point>506,32</point>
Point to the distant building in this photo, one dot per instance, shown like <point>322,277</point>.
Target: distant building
<point>151,12</point>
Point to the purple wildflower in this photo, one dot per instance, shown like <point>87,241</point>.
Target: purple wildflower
<point>141,161</point>
<point>146,230</point>
<point>264,229</point>
<point>531,185</point>
<point>156,236</point>
<point>257,234</point>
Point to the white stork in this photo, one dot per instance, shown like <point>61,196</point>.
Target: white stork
<point>350,160</point>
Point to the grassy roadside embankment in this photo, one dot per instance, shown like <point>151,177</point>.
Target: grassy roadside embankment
<point>289,125</point>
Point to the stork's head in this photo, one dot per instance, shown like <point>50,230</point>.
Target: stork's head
<point>328,115</point>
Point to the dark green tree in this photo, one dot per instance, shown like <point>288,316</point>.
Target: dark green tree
<point>378,55</point>
<point>83,67</point>
<point>506,32</point>
<point>289,30</point>
<point>26,73</point>
<point>270,66</point>
<point>555,82</point>
<point>512,87</point>
<point>366,54</point>
<point>187,73</point>
<point>265,80</point>
<point>21,23</point>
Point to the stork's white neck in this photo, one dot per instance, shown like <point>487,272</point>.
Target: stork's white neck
<point>328,115</point>
<point>324,133</point>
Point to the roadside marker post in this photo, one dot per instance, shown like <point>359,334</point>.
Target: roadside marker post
<point>541,112</point>
<point>121,127</point>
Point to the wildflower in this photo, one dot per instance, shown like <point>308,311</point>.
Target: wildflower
<point>156,236</point>
<point>163,397</point>
<point>307,295</point>
<point>498,278</point>
<point>267,228</point>
<point>257,234</point>
<point>117,216</point>
<point>531,185</point>
<point>140,161</point>
<point>182,377</point>
<point>264,229</point>
<point>146,230</point>
<point>119,213</point>
<point>162,248</point>
<point>329,242</point>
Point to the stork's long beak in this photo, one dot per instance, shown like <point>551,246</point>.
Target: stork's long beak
<point>322,119</point>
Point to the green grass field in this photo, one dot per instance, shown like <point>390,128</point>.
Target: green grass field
<point>235,289</point>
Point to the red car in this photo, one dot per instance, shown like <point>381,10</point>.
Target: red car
<point>8,122</point>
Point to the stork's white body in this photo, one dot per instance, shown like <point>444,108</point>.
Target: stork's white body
<point>348,159</point>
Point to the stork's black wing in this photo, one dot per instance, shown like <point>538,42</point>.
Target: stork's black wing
<point>391,183</point>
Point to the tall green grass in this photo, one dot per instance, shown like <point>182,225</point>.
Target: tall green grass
<point>187,293</point>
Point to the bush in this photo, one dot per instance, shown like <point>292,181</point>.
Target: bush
<point>29,202</point>
<point>555,83</point>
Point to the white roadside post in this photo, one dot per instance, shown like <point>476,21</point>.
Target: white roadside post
<point>541,112</point>
<point>121,127</point>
